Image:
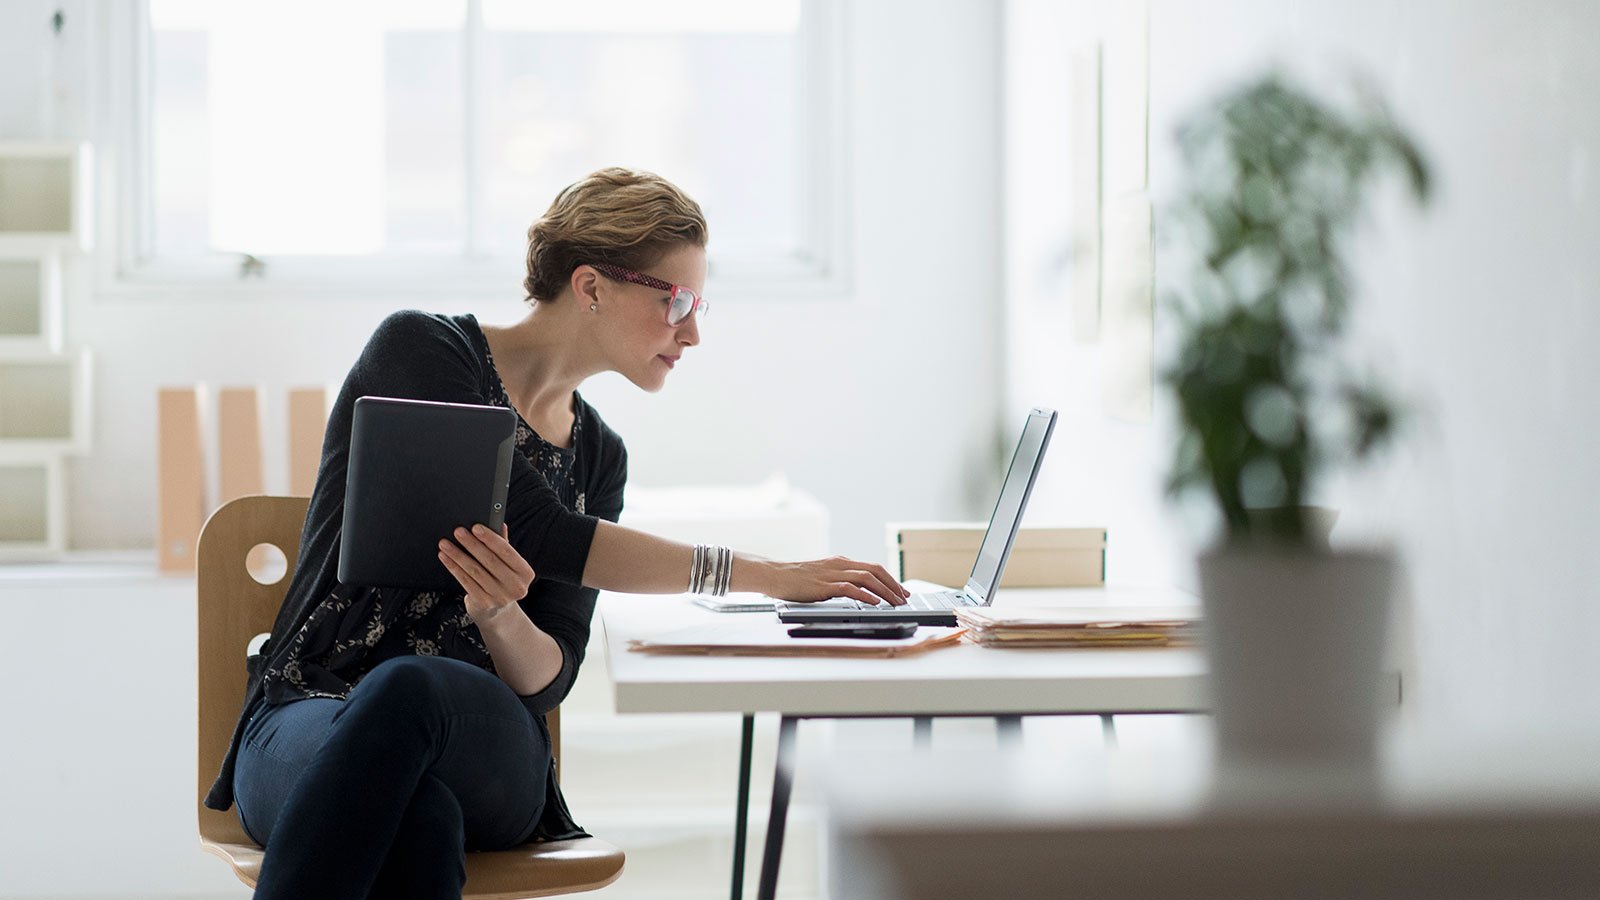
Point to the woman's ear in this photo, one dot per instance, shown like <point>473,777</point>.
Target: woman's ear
<point>586,285</point>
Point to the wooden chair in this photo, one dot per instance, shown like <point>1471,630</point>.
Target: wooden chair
<point>233,608</point>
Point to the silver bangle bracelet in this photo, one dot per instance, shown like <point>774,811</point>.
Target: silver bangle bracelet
<point>697,569</point>
<point>724,572</point>
<point>711,571</point>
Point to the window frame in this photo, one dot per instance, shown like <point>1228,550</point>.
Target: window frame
<point>127,266</point>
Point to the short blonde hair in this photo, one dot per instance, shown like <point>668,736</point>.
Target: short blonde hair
<point>616,216</point>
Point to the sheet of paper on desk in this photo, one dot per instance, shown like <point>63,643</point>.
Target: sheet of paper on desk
<point>738,602</point>
<point>769,638</point>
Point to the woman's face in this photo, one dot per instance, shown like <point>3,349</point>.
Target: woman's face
<point>638,340</point>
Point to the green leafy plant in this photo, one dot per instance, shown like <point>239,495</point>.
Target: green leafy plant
<point>1275,181</point>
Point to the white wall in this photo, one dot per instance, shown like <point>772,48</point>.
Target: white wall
<point>1485,308</point>
<point>1100,470</point>
<point>827,390</point>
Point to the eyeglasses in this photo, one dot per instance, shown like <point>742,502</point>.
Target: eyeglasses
<point>684,301</point>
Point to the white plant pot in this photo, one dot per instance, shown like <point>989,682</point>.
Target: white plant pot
<point>1296,642</point>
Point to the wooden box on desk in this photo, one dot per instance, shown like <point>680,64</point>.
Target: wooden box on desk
<point>943,552</point>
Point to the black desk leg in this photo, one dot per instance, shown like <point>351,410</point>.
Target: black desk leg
<point>1108,730</point>
<point>741,825</point>
<point>922,732</point>
<point>782,784</point>
<point>1008,729</point>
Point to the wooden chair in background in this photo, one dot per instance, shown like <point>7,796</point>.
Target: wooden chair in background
<point>234,606</point>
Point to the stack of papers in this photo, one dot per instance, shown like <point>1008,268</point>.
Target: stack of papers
<point>743,638</point>
<point>1081,626</point>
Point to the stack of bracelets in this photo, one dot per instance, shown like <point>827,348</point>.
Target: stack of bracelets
<point>712,571</point>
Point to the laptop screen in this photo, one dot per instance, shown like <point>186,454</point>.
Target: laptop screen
<point>1013,499</point>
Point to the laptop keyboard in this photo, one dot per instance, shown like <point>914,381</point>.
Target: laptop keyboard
<point>930,600</point>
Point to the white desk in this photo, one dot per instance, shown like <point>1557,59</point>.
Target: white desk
<point>1442,820</point>
<point>960,680</point>
<point>955,681</point>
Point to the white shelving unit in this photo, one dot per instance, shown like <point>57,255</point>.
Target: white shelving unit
<point>30,300</point>
<point>44,402</point>
<point>45,196</point>
<point>33,512</point>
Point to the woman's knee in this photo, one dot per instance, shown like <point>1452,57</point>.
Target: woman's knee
<point>430,685</point>
<point>408,679</point>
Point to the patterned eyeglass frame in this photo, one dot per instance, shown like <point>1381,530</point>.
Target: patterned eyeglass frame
<point>698,305</point>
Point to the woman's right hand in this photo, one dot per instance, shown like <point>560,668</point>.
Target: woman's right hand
<point>824,579</point>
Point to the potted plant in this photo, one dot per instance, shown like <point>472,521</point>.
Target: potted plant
<point>1268,402</point>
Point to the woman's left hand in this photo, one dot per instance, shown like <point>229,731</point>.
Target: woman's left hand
<point>493,573</point>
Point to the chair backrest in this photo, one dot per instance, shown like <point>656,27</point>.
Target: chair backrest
<point>232,608</point>
<point>942,552</point>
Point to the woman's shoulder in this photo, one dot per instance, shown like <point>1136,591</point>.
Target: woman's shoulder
<point>422,355</point>
<point>416,324</point>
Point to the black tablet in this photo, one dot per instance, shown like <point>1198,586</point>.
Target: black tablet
<point>418,470</point>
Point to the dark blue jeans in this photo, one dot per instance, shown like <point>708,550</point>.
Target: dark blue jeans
<point>380,795</point>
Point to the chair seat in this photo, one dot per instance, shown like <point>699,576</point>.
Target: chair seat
<point>531,870</point>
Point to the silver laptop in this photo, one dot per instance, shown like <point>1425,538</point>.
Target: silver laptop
<point>935,607</point>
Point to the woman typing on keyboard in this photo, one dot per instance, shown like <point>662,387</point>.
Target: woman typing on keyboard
<point>385,732</point>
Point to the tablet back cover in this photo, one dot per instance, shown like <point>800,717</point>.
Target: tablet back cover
<point>418,470</point>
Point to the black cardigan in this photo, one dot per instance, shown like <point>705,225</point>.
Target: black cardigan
<point>423,356</point>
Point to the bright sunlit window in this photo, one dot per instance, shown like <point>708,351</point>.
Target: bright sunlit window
<point>365,131</point>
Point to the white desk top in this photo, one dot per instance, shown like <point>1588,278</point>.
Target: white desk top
<point>960,679</point>
<point>1441,819</point>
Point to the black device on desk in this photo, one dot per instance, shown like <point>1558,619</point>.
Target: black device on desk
<point>418,470</point>
<point>887,631</point>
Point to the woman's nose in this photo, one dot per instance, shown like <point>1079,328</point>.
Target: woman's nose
<point>689,330</point>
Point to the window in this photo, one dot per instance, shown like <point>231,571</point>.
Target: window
<point>372,141</point>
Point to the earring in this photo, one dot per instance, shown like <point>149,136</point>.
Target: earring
<point>594,307</point>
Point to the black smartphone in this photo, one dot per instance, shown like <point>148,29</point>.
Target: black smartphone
<point>881,630</point>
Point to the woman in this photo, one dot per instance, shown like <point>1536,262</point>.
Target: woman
<point>384,732</point>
